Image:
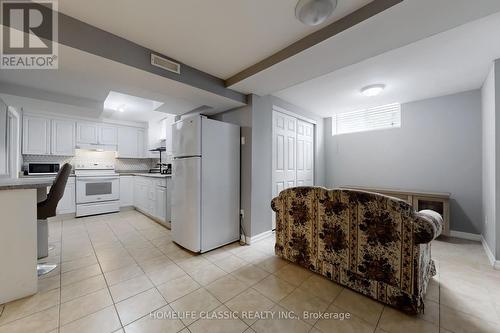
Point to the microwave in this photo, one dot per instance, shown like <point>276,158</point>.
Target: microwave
<point>42,169</point>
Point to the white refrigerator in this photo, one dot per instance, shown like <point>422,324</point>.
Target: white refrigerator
<point>206,183</point>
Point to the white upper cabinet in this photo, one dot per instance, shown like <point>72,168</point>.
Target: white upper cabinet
<point>48,136</point>
<point>63,137</point>
<point>131,142</point>
<point>141,143</point>
<point>36,135</point>
<point>167,131</point>
<point>108,135</point>
<point>96,134</point>
<point>87,133</point>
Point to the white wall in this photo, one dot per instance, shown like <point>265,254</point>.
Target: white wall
<point>489,159</point>
<point>256,173</point>
<point>437,149</point>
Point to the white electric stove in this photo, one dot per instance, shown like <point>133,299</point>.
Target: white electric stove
<point>97,188</point>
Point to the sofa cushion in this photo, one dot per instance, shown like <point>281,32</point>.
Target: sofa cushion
<point>366,241</point>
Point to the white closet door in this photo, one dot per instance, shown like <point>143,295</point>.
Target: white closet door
<point>284,152</point>
<point>305,153</point>
<point>293,153</point>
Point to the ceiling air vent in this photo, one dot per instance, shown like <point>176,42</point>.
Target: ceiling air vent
<point>165,64</point>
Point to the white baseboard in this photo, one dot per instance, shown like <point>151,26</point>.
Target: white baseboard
<point>491,257</point>
<point>465,235</point>
<point>256,238</point>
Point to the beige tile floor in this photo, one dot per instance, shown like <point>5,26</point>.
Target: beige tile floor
<point>116,269</point>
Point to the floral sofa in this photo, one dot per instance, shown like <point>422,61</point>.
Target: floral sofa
<point>374,244</point>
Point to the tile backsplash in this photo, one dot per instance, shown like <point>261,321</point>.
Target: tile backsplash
<point>121,164</point>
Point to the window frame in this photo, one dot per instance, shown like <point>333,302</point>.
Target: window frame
<point>369,111</point>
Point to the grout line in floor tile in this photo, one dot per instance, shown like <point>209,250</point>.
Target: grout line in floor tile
<point>60,276</point>
<point>137,263</point>
<point>105,281</point>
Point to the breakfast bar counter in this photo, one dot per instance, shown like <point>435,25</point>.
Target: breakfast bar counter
<point>18,236</point>
<point>25,184</point>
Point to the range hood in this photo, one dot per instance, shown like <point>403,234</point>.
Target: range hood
<point>96,147</point>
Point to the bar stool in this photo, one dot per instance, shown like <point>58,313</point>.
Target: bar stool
<point>46,209</point>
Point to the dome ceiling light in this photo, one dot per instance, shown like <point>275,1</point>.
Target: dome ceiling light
<point>373,90</point>
<point>314,12</point>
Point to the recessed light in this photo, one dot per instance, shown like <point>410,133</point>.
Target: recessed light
<point>121,109</point>
<point>373,90</point>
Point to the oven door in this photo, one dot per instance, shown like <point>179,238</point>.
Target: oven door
<point>97,189</point>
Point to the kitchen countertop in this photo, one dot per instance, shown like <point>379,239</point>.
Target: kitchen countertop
<point>23,176</point>
<point>152,175</point>
<point>23,183</point>
<point>143,174</point>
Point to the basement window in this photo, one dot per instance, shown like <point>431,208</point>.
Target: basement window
<point>381,117</point>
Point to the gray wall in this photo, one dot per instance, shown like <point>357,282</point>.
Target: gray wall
<point>497,157</point>
<point>489,159</point>
<point>256,173</point>
<point>262,157</point>
<point>437,149</point>
<point>243,117</point>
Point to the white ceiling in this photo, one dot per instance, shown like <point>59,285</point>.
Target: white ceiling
<point>403,24</point>
<point>132,108</point>
<point>450,62</point>
<point>220,37</point>
<point>87,76</point>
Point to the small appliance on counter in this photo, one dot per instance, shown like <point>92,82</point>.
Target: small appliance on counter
<point>168,169</point>
<point>97,188</point>
<point>163,168</point>
<point>41,169</point>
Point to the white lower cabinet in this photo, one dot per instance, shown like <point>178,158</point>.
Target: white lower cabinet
<point>147,194</point>
<point>161,203</point>
<point>151,197</point>
<point>67,204</point>
<point>140,193</point>
<point>126,191</point>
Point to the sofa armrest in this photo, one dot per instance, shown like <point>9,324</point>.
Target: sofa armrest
<point>428,226</point>
<point>274,204</point>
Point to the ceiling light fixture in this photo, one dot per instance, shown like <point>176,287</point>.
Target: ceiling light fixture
<point>121,108</point>
<point>314,12</point>
<point>373,90</point>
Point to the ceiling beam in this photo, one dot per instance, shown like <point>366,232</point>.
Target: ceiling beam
<point>373,8</point>
<point>80,35</point>
<point>88,38</point>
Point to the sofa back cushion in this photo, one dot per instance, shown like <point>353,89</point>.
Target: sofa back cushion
<point>363,233</point>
